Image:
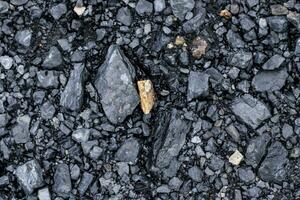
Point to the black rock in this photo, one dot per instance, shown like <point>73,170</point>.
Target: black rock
<point>241,59</point>
<point>195,23</point>
<point>58,10</point>
<point>62,180</point>
<point>144,7</point>
<point>30,176</point>
<point>48,79</point>
<point>181,7</point>
<point>85,182</point>
<point>274,62</point>
<point>53,58</point>
<point>124,16</point>
<point>170,135</point>
<point>257,149</point>
<point>72,96</point>
<point>4,7</point>
<point>197,85</point>
<point>20,132</point>
<point>114,83</point>
<point>129,151</point>
<point>234,39</point>
<point>250,110</point>
<point>24,37</point>
<point>270,80</point>
<point>273,168</point>
<point>278,23</point>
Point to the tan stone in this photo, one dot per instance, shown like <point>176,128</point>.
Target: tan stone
<point>225,13</point>
<point>79,10</point>
<point>236,158</point>
<point>198,47</point>
<point>147,95</point>
<point>179,41</point>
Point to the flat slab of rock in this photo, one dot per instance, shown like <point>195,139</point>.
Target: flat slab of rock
<point>114,83</point>
<point>198,85</point>
<point>250,110</point>
<point>30,176</point>
<point>274,62</point>
<point>273,168</point>
<point>270,80</point>
<point>72,96</point>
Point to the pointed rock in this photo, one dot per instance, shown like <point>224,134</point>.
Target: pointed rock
<point>114,83</point>
<point>53,58</point>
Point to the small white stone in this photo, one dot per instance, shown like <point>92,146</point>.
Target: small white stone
<point>79,10</point>
<point>6,62</point>
<point>196,140</point>
<point>236,158</point>
<point>43,194</point>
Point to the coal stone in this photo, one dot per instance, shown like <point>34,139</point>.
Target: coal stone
<point>4,119</point>
<point>195,23</point>
<point>58,10</point>
<point>47,110</point>
<point>30,176</point>
<point>195,174</point>
<point>20,132</point>
<point>85,182</point>
<point>129,151</point>
<point>4,7</point>
<point>181,7</point>
<point>6,62</point>
<point>274,62</point>
<point>44,194</point>
<point>23,37</point>
<point>53,58</point>
<point>278,23</point>
<point>159,5</point>
<point>235,40</point>
<point>124,16</point>
<point>251,111</point>
<point>62,181</point>
<point>18,2</point>
<point>72,96</point>
<point>48,79</point>
<point>198,85</point>
<point>270,80</point>
<point>114,83</point>
<point>144,7</point>
<point>246,175</point>
<point>241,59</point>
<point>216,163</point>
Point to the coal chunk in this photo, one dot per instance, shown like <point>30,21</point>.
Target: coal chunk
<point>4,7</point>
<point>197,85</point>
<point>143,7</point>
<point>6,62</point>
<point>47,110</point>
<point>85,182</point>
<point>30,176</point>
<point>169,138</point>
<point>48,79</point>
<point>124,16</point>
<point>4,119</point>
<point>250,110</point>
<point>20,132</point>
<point>58,10</point>
<point>278,23</point>
<point>18,2</point>
<point>270,80</point>
<point>257,149</point>
<point>194,24</point>
<point>274,62</point>
<point>294,18</point>
<point>234,40</point>
<point>241,59</point>
<point>23,37</point>
<point>62,180</point>
<point>72,96</point>
<point>273,168</point>
<point>195,174</point>
<point>114,83</point>
<point>129,151</point>
<point>53,58</point>
<point>181,7</point>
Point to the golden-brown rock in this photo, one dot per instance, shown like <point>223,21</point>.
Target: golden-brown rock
<point>79,10</point>
<point>147,95</point>
<point>225,13</point>
<point>198,47</point>
<point>179,41</point>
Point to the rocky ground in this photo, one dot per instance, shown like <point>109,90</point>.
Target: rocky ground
<point>225,123</point>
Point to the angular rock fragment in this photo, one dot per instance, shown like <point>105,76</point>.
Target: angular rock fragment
<point>194,24</point>
<point>216,163</point>
<point>198,47</point>
<point>53,58</point>
<point>250,110</point>
<point>273,168</point>
<point>197,85</point>
<point>58,10</point>
<point>278,23</point>
<point>30,176</point>
<point>241,59</point>
<point>236,158</point>
<point>144,7</point>
<point>85,182</point>
<point>278,9</point>
<point>81,135</point>
<point>246,23</point>
<point>274,62</point>
<point>129,151</point>
<point>62,181</point>
<point>124,16</point>
<point>297,48</point>
<point>44,194</point>
<point>114,83</point>
<point>233,132</point>
<point>79,10</point>
<point>72,96</point>
<point>234,39</point>
<point>257,149</point>
<point>195,173</point>
<point>18,2</point>
<point>159,5</point>
<point>24,37</point>
<point>6,62</point>
<point>246,175</point>
<point>47,110</point>
<point>147,95</point>
<point>270,80</point>
<point>170,135</point>
<point>4,7</point>
<point>294,18</point>
<point>181,7</point>
<point>47,79</point>
<point>4,119</point>
<point>20,132</point>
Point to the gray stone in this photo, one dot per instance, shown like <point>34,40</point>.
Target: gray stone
<point>4,181</point>
<point>23,37</point>
<point>47,79</point>
<point>234,40</point>
<point>241,59</point>
<point>250,110</point>
<point>194,24</point>
<point>163,189</point>
<point>72,96</point>
<point>62,181</point>
<point>30,176</point>
<point>297,48</point>
<point>18,2</point>
<point>278,23</point>
<point>144,7</point>
<point>6,62</point>
<point>85,182</point>
<point>159,5</point>
<point>4,119</point>
<point>273,168</point>
<point>216,163</point>
<point>257,149</point>
<point>47,110</point>
<point>114,83</point>
<point>170,136</point>
<point>181,7</point>
<point>287,131</point>
<point>294,18</point>
<point>246,23</point>
<point>21,131</point>
<point>195,174</point>
<point>246,175</point>
<point>53,58</point>
<point>81,135</point>
<point>278,9</point>
<point>197,85</point>
<point>270,80</point>
<point>44,194</point>
<point>95,153</point>
<point>274,62</point>
<point>58,10</point>
<point>75,172</point>
<point>175,183</point>
<point>124,16</point>
<point>129,151</point>
<point>233,132</point>
<point>4,7</point>
<point>252,3</point>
